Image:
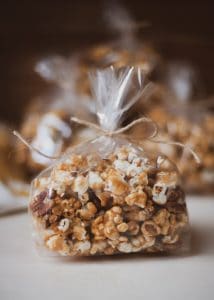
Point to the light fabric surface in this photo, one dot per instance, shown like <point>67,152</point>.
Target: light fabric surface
<point>9,202</point>
<point>24,275</point>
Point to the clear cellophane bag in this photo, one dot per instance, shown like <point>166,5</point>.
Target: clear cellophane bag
<point>108,196</point>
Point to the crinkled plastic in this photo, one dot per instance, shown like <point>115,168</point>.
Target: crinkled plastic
<point>72,93</point>
<point>115,54</point>
<point>108,196</point>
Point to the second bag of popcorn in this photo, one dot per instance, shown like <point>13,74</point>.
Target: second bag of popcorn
<point>108,196</point>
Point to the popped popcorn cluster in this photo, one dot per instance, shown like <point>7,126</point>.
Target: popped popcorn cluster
<point>123,202</point>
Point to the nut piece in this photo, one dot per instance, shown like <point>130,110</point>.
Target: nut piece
<point>41,205</point>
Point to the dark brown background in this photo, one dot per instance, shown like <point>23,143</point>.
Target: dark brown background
<point>31,29</point>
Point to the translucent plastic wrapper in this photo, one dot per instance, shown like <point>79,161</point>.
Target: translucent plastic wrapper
<point>108,196</point>
<point>182,114</point>
<point>47,122</point>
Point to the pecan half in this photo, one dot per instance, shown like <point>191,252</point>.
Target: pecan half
<point>38,206</point>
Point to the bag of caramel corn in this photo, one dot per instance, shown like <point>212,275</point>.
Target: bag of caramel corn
<point>108,196</point>
<point>124,49</point>
<point>47,119</point>
<point>184,115</point>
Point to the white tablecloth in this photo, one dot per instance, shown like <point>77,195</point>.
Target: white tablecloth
<point>24,275</point>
